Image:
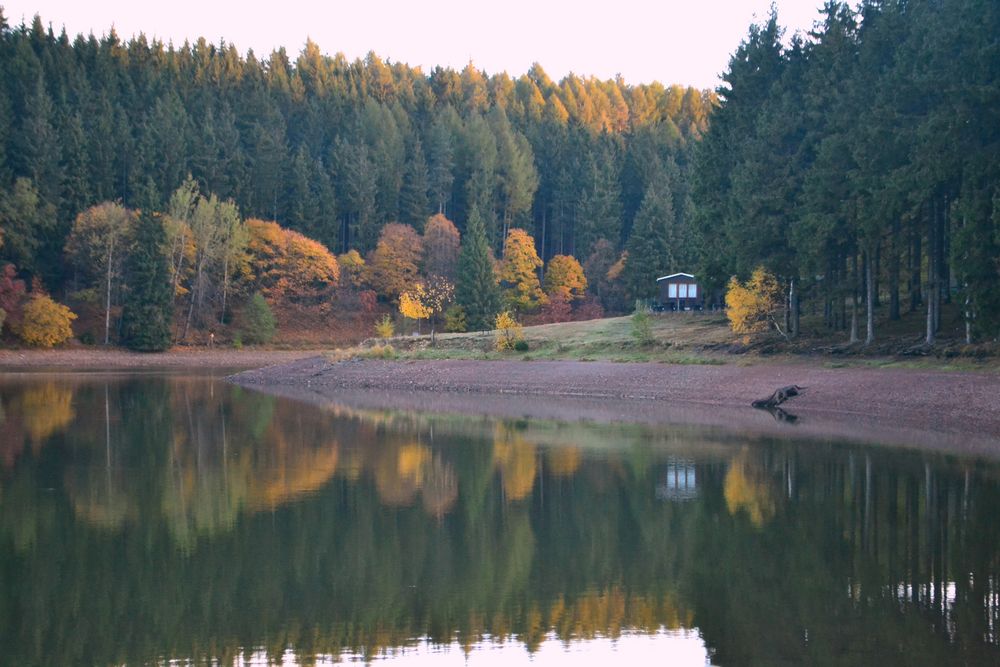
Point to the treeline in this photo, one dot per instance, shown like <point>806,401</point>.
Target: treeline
<point>333,149</point>
<point>858,164</point>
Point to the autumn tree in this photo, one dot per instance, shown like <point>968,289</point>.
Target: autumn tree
<point>284,263</point>
<point>352,269</point>
<point>565,276</point>
<point>519,272</point>
<point>97,246</point>
<point>427,300</point>
<point>395,263</point>
<point>45,323</point>
<point>441,247</point>
<point>751,306</point>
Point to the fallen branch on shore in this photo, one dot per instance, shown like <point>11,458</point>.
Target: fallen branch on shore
<point>778,397</point>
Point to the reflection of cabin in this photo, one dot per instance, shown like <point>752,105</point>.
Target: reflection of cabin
<point>680,482</point>
<point>680,291</point>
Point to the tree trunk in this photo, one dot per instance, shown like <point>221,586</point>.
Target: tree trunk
<point>931,279</point>
<point>894,273</point>
<point>916,258</point>
<point>793,300</point>
<point>870,297</point>
<point>225,288</point>
<point>107,298</point>
<point>855,278</point>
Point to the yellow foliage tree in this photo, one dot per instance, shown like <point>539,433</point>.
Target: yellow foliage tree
<point>751,306</point>
<point>509,331</point>
<point>519,272</point>
<point>565,275</point>
<point>46,323</point>
<point>427,300</point>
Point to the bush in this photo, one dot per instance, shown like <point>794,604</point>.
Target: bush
<point>508,331</point>
<point>46,323</point>
<point>259,325</point>
<point>642,327</point>
<point>454,319</point>
<point>521,346</point>
<point>384,328</point>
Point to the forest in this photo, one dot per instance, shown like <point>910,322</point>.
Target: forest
<point>854,166</point>
<point>334,150</point>
<point>858,165</point>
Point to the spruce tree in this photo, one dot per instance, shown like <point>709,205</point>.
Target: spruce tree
<point>649,249</point>
<point>148,302</point>
<point>477,292</point>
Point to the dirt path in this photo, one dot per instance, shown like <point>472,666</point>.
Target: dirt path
<point>91,359</point>
<point>948,411</point>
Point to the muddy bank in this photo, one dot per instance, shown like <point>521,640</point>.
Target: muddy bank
<point>91,359</point>
<point>957,412</point>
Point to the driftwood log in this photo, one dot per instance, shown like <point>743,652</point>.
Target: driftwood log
<point>778,397</point>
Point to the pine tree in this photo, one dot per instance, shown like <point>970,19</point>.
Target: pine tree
<point>649,247</point>
<point>147,314</point>
<point>477,292</point>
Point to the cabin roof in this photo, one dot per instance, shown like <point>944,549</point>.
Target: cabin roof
<point>675,275</point>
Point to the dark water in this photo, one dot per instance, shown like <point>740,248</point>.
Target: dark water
<point>181,520</point>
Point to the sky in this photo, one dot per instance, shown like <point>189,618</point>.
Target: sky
<point>687,42</point>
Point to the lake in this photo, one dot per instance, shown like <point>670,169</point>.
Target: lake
<point>177,519</point>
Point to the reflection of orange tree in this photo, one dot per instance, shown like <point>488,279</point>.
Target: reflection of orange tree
<point>515,458</point>
<point>746,489</point>
<point>401,471</point>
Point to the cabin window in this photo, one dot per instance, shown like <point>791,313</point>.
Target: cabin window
<point>672,291</point>
<point>683,292</point>
<point>693,291</point>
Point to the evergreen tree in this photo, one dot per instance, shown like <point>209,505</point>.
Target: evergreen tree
<point>476,290</point>
<point>147,314</point>
<point>650,248</point>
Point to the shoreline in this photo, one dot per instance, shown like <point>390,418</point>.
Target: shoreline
<point>115,359</point>
<point>948,412</point>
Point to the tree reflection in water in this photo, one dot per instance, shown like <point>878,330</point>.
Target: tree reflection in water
<point>143,519</point>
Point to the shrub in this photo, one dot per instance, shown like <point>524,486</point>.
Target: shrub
<point>454,319</point>
<point>642,326</point>
<point>508,331</point>
<point>46,323</point>
<point>259,325</point>
<point>384,328</point>
<point>521,346</point>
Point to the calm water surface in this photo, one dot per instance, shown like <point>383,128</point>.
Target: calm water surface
<point>179,520</point>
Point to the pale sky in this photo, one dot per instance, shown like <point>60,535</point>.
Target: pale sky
<point>687,42</point>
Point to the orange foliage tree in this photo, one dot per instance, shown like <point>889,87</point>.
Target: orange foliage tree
<point>395,263</point>
<point>352,268</point>
<point>441,244</point>
<point>564,275</point>
<point>46,323</point>
<point>284,263</point>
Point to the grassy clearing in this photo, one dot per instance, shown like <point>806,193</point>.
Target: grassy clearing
<point>677,339</point>
<point>690,339</point>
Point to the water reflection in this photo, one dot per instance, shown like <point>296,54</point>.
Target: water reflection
<point>146,519</point>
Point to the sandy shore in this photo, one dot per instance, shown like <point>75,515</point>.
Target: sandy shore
<point>94,359</point>
<point>955,412</point>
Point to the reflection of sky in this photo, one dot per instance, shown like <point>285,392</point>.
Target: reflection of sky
<point>677,648</point>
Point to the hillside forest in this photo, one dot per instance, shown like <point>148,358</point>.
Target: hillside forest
<point>179,194</point>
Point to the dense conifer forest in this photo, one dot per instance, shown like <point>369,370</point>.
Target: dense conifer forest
<point>857,164</point>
